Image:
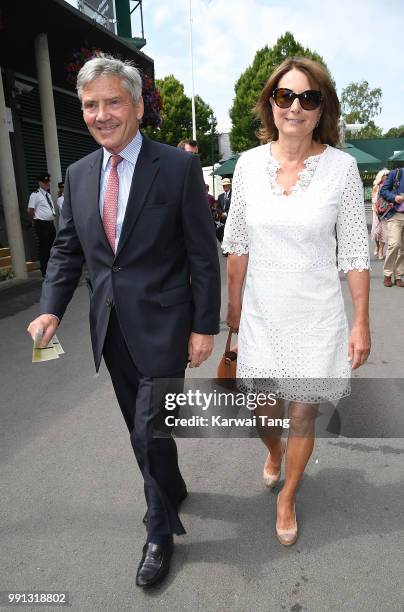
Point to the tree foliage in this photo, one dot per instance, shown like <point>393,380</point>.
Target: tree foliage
<point>250,84</point>
<point>395,132</point>
<point>360,104</point>
<point>177,118</point>
<point>371,130</point>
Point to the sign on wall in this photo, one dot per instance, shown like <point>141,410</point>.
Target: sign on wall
<point>102,11</point>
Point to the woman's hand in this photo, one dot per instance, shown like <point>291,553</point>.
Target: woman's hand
<point>359,345</point>
<point>233,316</point>
<point>359,340</point>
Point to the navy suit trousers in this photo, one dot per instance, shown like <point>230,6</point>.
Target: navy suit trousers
<point>141,401</point>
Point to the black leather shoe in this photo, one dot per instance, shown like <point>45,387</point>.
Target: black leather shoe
<point>181,498</point>
<point>155,563</point>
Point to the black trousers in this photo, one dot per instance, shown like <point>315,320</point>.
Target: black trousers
<point>140,399</point>
<point>45,234</point>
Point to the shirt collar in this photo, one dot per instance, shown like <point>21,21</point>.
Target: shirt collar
<point>129,153</point>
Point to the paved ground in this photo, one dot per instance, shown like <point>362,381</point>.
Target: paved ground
<point>71,496</point>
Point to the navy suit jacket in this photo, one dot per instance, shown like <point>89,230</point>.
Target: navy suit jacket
<point>164,280</point>
<point>386,191</point>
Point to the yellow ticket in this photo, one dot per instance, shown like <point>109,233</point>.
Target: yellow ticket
<point>45,354</point>
<point>57,346</point>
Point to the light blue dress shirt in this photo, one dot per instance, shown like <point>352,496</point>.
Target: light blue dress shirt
<point>125,173</point>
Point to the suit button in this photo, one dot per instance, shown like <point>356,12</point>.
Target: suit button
<point>116,268</point>
<point>109,303</point>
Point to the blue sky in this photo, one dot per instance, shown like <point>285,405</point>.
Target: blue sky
<point>358,40</point>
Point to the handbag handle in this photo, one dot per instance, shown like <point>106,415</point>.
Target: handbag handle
<point>229,355</point>
<point>228,342</point>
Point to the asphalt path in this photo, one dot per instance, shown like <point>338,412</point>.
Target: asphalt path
<point>72,497</point>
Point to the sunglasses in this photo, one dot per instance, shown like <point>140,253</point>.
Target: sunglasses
<point>309,100</point>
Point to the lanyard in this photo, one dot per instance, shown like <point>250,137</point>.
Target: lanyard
<point>50,203</point>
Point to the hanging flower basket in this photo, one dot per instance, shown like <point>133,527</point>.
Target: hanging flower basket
<point>77,60</point>
<point>153,103</point>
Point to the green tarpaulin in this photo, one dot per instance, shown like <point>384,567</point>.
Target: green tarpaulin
<point>227,167</point>
<point>397,156</point>
<point>381,148</point>
<point>364,160</point>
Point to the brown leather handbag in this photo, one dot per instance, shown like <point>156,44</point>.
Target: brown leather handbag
<point>226,370</point>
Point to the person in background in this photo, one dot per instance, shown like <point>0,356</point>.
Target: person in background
<point>223,207</point>
<point>211,201</point>
<point>379,226</point>
<point>224,200</point>
<point>61,197</point>
<point>41,211</point>
<point>393,191</point>
<point>189,145</point>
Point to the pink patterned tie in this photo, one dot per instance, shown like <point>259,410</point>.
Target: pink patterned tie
<point>111,201</point>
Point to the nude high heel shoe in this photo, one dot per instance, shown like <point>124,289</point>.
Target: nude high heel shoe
<point>271,480</point>
<point>287,537</point>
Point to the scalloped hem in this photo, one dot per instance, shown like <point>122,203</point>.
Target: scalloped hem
<point>348,264</point>
<point>235,250</point>
<point>304,397</point>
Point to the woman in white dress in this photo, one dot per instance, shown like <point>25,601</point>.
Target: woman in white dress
<point>297,208</point>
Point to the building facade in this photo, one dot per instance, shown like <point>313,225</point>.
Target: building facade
<point>42,45</point>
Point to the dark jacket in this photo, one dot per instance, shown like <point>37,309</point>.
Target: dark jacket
<point>222,205</point>
<point>164,279</point>
<point>388,192</point>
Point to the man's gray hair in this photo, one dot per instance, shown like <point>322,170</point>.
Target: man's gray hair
<point>106,65</point>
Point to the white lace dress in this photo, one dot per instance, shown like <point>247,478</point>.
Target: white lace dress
<point>293,337</point>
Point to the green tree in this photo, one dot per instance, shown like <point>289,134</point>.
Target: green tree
<point>371,130</point>
<point>395,132</point>
<point>360,104</point>
<point>250,84</point>
<point>177,118</point>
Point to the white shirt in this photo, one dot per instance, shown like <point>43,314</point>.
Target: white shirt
<point>125,173</point>
<point>61,199</point>
<point>39,202</point>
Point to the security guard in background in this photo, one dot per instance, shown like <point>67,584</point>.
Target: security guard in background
<point>61,195</point>
<point>42,211</point>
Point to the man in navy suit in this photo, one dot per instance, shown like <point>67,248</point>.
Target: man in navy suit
<point>135,212</point>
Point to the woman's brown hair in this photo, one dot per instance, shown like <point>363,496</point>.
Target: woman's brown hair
<point>327,130</point>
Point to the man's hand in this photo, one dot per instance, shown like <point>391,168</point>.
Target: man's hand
<point>399,199</point>
<point>200,347</point>
<point>45,324</point>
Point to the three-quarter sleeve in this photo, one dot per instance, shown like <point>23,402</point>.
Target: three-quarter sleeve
<point>352,234</point>
<point>235,239</point>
